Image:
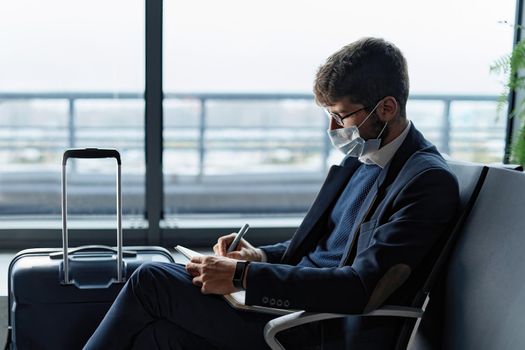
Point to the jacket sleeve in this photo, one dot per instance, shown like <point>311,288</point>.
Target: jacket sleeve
<point>418,214</point>
<point>275,252</point>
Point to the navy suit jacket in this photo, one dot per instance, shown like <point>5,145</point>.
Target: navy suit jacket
<point>411,205</point>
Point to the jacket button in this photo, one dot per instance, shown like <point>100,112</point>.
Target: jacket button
<point>279,302</point>
<point>265,300</point>
<point>272,302</point>
<point>286,303</point>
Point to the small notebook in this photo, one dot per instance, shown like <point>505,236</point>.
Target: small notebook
<point>236,299</point>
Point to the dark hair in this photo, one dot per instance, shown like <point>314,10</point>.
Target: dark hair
<point>364,71</point>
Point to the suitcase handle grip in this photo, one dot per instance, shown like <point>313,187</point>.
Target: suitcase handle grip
<point>93,248</point>
<point>91,153</point>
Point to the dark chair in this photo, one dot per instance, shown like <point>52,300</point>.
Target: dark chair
<point>483,284</point>
<point>470,178</point>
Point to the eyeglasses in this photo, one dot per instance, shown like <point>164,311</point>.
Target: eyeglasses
<point>339,119</point>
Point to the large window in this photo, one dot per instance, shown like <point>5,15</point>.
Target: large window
<point>242,133</point>
<point>225,154</point>
<point>71,75</point>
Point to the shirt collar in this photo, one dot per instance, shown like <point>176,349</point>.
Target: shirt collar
<point>383,155</point>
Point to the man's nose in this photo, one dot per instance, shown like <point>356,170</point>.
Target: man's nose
<point>334,125</point>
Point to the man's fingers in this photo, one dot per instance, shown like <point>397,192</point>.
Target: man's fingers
<point>193,269</point>
<point>224,242</point>
<point>234,255</point>
<point>197,259</point>
<point>222,247</point>
<point>205,289</point>
<point>197,281</point>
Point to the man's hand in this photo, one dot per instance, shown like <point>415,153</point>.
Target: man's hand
<point>214,274</point>
<point>244,251</point>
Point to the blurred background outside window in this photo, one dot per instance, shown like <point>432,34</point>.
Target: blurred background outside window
<point>242,134</point>
<point>71,75</point>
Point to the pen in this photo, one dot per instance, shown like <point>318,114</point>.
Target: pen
<point>238,238</point>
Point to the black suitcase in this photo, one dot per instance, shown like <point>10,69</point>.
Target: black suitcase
<point>57,303</point>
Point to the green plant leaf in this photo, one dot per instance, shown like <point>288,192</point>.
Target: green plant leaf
<point>512,66</point>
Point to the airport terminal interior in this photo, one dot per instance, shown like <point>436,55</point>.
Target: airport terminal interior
<point>130,124</point>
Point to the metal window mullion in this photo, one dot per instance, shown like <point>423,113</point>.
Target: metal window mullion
<point>202,141</point>
<point>72,129</point>
<point>513,98</point>
<point>327,145</point>
<point>71,123</point>
<point>153,119</point>
<point>445,128</point>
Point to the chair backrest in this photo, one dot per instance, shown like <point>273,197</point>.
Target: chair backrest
<point>484,306</point>
<point>470,179</point>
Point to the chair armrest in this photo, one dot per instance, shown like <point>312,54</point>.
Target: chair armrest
<point>302,317</point>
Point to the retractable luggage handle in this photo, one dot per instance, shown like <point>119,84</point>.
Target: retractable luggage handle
<point>91,153</point>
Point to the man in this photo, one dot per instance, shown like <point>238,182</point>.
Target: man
<point>365,240</point>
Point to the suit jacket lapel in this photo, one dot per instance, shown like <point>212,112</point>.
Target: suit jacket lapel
<point>412,143</point>
<point>333,185</point>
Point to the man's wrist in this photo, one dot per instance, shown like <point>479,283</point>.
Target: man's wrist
<point>262,255</point>
<point>239,274</point>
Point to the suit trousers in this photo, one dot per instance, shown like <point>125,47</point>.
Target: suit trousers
<point>160,307</point>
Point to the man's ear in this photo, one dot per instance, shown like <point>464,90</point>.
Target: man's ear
<point>388,109</point>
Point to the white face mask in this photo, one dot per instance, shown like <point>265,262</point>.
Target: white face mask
<point>349,141</point>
